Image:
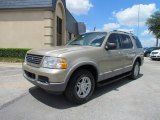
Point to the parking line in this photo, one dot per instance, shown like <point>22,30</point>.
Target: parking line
<point>8,70</point>
<point>11,75</point>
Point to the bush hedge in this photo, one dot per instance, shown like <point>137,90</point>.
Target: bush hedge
<point>13,52</point>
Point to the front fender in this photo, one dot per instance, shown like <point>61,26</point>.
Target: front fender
<point>76,66</point>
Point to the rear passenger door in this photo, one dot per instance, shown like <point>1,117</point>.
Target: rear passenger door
<point>128,52</point>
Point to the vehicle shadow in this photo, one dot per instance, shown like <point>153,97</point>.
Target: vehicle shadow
<point>113,86</point>
<point>60,102</point>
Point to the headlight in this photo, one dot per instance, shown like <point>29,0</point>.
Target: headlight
<point>55,63</point>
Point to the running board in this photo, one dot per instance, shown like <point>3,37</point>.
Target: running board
<point>113,79</point>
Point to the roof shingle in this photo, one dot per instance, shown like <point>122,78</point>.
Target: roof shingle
<point>15,4</point>
<point>72,24</point>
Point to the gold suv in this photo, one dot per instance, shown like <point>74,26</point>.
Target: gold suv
<point>93,59</point>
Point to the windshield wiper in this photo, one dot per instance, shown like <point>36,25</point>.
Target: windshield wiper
<point>75,44</point>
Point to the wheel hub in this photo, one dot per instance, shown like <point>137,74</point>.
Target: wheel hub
<point>136,70</point>
<point>83,87</point>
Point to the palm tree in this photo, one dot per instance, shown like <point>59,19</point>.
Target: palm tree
<point>153,24</point>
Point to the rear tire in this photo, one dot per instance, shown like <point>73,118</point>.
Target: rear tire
<point>135,71</point>
<point>80,87</point>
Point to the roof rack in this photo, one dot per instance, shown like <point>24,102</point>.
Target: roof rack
<point>123,32</point>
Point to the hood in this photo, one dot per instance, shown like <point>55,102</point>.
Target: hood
<point>55,51</point>
<point>156,50</point>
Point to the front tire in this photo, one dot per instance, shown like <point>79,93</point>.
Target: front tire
<point>135,71</point>
<point>147,55</point>
<point>81,87</point>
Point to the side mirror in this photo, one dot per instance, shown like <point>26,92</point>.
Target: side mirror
<point>111,46</point>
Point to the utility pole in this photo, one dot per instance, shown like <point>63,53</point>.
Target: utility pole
<point>94,29</point>
<point>138,20</point>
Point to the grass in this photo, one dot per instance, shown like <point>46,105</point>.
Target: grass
<point>12,60</point>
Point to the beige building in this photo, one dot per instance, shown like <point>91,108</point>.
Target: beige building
<point>36,24</point>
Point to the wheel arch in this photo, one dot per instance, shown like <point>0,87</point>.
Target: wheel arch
<point>88,66</point>
<point>139,59</point>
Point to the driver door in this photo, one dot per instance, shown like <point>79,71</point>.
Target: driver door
<point>111,63</point>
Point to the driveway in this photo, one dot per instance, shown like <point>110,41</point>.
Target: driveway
<point>123,100</point>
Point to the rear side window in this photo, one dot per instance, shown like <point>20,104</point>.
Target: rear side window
<point>126,42</point>
<point>138,43</point>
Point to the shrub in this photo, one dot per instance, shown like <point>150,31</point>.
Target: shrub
<point>13,52</point>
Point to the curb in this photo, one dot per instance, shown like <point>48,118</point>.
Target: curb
<point>7,64</point>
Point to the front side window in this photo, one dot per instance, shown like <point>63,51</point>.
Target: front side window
<point>126,42</point>
<point>89,39</point>
<point>114,38</point>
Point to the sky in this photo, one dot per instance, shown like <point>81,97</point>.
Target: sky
<point>105,15</point>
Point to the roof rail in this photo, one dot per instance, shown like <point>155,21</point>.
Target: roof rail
<point>130,32</point>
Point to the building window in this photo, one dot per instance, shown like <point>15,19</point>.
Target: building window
<point>59,25</point>
<point>70,36</point>
<point>59,31</point>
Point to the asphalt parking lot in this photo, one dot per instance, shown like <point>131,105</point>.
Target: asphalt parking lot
<point>123,100</point>
<point>12,83</point>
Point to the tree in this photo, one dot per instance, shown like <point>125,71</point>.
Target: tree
<point>153,24</point>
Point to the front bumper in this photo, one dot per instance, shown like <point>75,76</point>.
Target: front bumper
<point>53,80</point>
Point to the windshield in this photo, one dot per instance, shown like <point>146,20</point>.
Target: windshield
<point>151,48</point>
<point>89,39</point>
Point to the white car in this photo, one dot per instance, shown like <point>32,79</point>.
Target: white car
<point>155,54</point>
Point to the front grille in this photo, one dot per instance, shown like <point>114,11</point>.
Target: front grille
<point>34,59</point>
<point>154,52</point>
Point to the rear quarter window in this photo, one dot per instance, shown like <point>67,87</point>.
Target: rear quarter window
<point>137,41</point>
